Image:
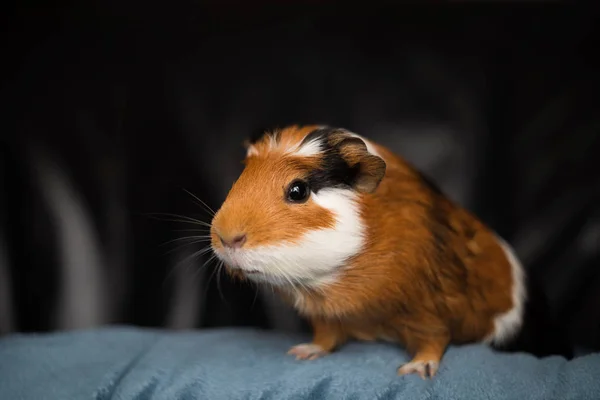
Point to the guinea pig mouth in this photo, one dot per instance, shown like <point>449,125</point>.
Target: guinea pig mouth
<point>235,261</point>
<point>247,271</point>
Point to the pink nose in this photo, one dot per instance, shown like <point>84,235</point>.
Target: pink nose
<point>235,243</point>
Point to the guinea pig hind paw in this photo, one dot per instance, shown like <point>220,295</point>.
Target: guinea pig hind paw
<point>425,369</point>
<point>307,351</point>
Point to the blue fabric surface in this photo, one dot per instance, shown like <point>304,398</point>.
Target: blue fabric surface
<point>126,363</point>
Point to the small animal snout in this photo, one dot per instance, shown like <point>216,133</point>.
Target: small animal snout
<point>235,243</point>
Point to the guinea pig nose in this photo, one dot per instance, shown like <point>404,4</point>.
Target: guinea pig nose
<point>237,242</point>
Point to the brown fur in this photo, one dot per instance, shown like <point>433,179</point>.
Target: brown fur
<point>250,210</point>
<point>431,273</point>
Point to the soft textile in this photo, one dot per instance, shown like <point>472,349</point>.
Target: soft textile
<point>126,363</point>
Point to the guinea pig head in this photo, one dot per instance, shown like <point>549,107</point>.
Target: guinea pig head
<point>293,216</point>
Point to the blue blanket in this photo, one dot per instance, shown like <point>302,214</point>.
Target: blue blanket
<point>127,363</point>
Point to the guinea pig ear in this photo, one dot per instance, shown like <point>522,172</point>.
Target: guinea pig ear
<point>370,168</point>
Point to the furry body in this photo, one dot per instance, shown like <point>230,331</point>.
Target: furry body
<point>374,252</point>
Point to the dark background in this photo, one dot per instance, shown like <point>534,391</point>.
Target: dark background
<point>110,110</point>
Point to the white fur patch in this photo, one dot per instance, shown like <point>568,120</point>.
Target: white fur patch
<point>311,148</point>
<point>251,151</point>
<point>508,324</point>
<point>316,259</point>
<point>272,142</point>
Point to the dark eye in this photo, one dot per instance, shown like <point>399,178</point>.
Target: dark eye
<point>298,192</point>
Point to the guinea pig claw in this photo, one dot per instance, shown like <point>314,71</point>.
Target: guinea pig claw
<point>307,351</point>
<point>425,369</point>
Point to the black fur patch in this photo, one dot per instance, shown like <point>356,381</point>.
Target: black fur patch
<point>321,133</point>
<point>333,171</point>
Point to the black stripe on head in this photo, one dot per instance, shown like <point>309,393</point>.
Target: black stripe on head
<point>333,170</point>
<point>321,135</point>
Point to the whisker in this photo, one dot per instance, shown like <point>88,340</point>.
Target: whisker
<point>196,254</point>
<point>203,238</point>
<point>285,276</point>
<point>215,271</point>
<point>302,284</point>
<point>219,272</point>
<point>255,296</point>
<point>299,282</point>
<point>179,264</point>
<point>182,219</point>
<point>212,274</point>
<point>185,262</point>
<point>291,280</point>
<point>192,230</point>
<point>211,258</point>
<point>207,208</point>
<point>203,251</point>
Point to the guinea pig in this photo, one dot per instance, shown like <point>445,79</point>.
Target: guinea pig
<point>365,247</point>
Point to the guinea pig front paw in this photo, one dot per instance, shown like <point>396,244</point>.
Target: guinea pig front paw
<point>307,351</point>
<point>425,368</point>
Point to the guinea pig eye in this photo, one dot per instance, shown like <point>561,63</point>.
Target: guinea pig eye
<point>298,192</point>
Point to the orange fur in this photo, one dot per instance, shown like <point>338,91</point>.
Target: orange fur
<point>430,274</point>
<point>253,212</point>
